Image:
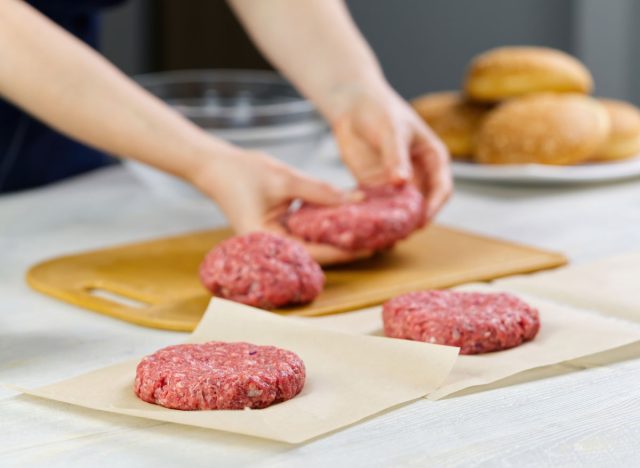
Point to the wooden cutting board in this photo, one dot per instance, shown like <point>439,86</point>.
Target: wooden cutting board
<point>161,276</point>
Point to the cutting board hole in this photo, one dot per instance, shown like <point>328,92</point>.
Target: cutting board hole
<point>117,298</point>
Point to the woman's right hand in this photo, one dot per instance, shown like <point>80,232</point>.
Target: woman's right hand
<point>255,191</point>
<point>68,85</point>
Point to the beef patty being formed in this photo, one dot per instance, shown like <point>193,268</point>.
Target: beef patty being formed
<point>386,215</point>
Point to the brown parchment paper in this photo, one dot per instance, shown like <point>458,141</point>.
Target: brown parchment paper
<point>349,377</point>
<point>566,333</point>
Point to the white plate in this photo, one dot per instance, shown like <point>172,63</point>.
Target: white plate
<point>542,174</point>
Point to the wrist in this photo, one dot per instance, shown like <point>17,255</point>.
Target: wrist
<point>206,164</point>
<point>343,95</point>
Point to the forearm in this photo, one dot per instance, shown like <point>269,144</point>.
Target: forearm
<point>63,82</point>
<point>315,44</point>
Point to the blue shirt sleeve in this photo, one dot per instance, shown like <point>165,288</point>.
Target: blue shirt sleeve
<point>31,153</point>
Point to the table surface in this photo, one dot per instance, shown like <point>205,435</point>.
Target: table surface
<point>584,417</point>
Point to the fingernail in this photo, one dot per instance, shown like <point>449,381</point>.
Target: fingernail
<point>403,173</point>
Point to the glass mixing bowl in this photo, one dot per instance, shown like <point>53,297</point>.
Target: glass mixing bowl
<point>252,109</point>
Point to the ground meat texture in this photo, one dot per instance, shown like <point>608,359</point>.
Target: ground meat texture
<point>475,322</point>
<point>263,270</point>
<point>386,215</point>
<point>218,375</point>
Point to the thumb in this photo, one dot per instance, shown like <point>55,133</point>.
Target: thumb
<point>316,191</point>
<point>395,154</point>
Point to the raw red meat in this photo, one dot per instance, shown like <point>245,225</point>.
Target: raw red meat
<point>263,270</point>
<point>474,321</point>
<point>218,375</point>
<point>386,215</point>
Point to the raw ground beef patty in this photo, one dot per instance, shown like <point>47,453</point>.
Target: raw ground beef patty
<point>263,270</point>
<point>475,322</point>
<point>218,375</point>
<point>385,216</point>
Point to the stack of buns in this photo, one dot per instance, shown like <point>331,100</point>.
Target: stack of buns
<point>525,105</point>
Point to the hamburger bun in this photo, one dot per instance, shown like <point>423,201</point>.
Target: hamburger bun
<point>624,136</point>
<point>507,72</point>
<point>543,128</point>
<point>454,120</point>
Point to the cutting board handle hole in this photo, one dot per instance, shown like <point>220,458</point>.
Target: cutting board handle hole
<point>117,298</point>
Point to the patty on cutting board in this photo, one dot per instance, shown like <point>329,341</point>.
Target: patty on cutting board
<point>262,269</point>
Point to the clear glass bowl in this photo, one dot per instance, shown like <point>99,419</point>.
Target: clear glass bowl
<point>252,109</point>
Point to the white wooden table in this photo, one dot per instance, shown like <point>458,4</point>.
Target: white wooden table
<point>589,417</point>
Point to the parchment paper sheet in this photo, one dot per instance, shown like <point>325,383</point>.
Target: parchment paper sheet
<point>566,333</point>
<point>611,285</point>
<point>349,377</point>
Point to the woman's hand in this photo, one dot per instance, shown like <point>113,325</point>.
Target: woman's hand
<point>382,140</point>
<point>255,191</point>
<point>68,85</point>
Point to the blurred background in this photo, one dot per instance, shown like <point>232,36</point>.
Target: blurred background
<point>424,45</point>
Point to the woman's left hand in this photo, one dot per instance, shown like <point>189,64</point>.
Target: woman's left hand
<point>382,140</point>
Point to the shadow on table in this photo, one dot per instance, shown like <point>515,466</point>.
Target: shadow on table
<point>613,356</point>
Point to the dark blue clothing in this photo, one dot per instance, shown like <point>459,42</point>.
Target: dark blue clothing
<point>31,153</point>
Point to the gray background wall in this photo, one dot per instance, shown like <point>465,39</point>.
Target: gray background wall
<point>425,45</point>
<point>125,38</point>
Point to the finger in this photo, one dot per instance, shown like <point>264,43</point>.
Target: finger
<point>365,164</point>
<point>395,154</point>
<point>327,255</point>
<point>315,191</point>
<point>439,197</point>
<point>432,159</point>
<point>245,221</point>
<point>322,253</point>
<point>362,160</point>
